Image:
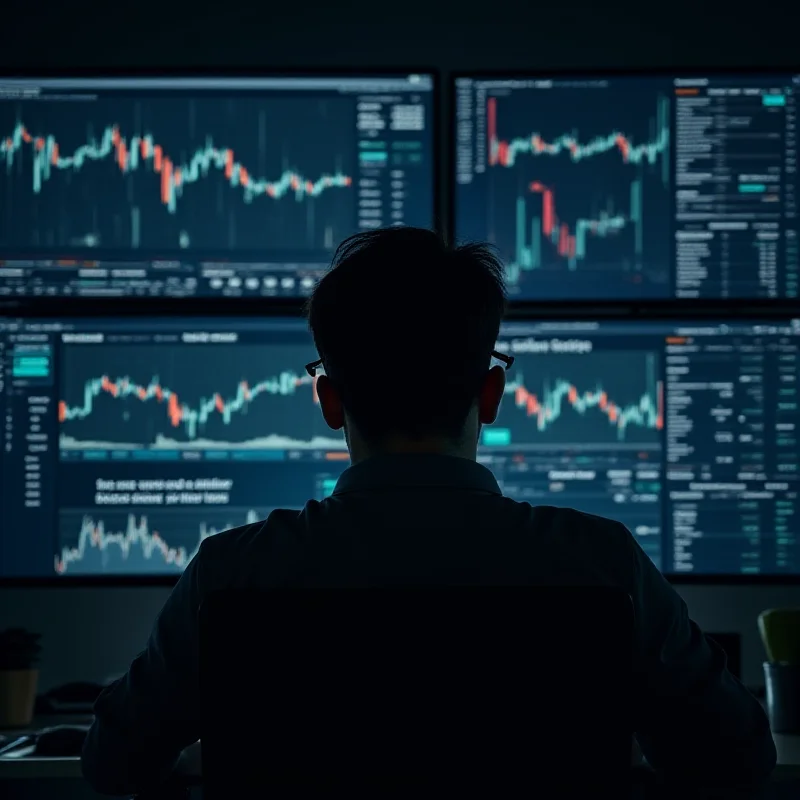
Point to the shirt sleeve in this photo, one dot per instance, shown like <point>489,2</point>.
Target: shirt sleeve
<point>144,720</point>
<point>696,724</point>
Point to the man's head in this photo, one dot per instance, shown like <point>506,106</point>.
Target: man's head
<point>405,326</point>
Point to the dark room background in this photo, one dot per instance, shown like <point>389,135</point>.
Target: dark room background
<point>92,633</point>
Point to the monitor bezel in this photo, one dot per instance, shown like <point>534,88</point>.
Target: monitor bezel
<point>576,310</point>
<point>665,311</point>
<point>737,305</point>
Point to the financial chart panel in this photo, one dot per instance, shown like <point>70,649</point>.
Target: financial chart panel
<point>203,186</point>
<point>133,441</point>
<point>685,433</point>
<point>127,442</point>
<point>632,187</point>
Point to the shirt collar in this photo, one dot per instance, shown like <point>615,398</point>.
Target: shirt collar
<point>409,470</point>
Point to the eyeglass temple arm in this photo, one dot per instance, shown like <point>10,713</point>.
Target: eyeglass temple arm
<point>507,360</point>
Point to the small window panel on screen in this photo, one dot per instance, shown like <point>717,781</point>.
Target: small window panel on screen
<point>204,186</point>
<point>632,186</point>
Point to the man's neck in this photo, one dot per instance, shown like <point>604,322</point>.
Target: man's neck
<point>403,446</point>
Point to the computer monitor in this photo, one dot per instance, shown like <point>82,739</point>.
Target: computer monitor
<point>614,187</point>
<point>127,441</point>
<point>183,186</point>
<point>686,432</point>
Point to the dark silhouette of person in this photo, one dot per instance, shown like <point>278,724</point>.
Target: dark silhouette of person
<point>406,328</point>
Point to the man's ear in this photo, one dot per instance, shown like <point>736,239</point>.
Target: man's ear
<point>330,403</point>
<point>494,386</point>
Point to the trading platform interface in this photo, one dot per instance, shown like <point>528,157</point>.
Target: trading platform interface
<point>632,187</point>
<point>127,442</point>
<point>203,186</point>
<point>134,441</point>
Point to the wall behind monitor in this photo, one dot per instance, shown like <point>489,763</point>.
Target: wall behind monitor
<point>446,34</point>
<point>93,633</point>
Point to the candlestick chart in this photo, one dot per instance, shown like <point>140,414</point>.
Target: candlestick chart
<point>601,398</point>
<point>162,176</point>
<point>156,541</point>
<point>572,186</point>
<point>565,242</point>
<point>189,398</point>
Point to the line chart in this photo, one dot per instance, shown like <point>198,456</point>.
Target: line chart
<point>603,397</point>
<point>547,410</point>
<point>598,150</point>
<point>179,413</point>
<point>569,243</point>
<point>178,397</point>
<point>152,543</point>
<point>205,175</point>
<point>130,154</point>
<point>504,153</point>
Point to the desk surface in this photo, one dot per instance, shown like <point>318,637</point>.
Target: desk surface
<point>40,768</point>
<point>787,745</point>
<point>19,767</point>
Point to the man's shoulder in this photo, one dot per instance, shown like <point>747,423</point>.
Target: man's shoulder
<point>576,542</point>
<point>545,522</point>
<point>572,542</point>
<point>565,522</point>
<point>279,528</point>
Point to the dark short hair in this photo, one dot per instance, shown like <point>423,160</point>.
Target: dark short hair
<point>405,325</point>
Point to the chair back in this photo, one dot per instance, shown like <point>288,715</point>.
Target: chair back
<point>383,691</point>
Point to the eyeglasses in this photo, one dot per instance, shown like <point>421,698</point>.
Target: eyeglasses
<point>507,361</point>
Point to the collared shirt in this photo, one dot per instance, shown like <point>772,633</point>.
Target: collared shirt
<point>435,519</point>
